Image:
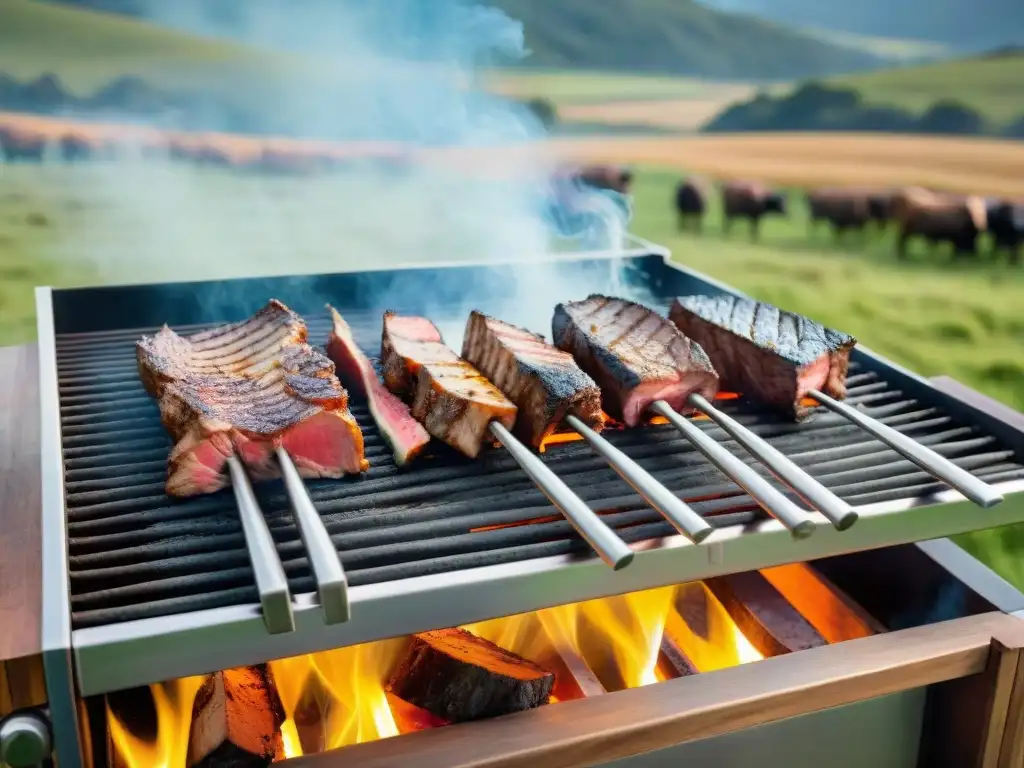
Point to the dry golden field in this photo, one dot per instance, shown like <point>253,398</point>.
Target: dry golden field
<point>982,166</point>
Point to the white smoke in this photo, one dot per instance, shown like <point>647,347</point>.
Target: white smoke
<point>402,71</point>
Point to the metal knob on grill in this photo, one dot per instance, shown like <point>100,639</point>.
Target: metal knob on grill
<point>24,740</point>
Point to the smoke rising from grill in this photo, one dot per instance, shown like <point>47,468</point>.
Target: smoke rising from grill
<point>465,175</point>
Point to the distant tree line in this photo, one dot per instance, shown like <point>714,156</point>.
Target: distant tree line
<point>819,107</point>
<point>134,99</point>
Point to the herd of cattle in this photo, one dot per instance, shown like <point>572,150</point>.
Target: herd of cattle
<point>914,212</point>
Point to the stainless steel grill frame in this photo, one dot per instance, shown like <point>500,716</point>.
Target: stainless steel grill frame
<point>113,656</point>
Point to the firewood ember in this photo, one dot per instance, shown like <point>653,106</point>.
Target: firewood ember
<point>311,715</point>
<point>236,721</point>
<point>578,680</point>
<point>458,677</point>
<point>409,718</point>
<point>768,621</point>
<point>672,661</point>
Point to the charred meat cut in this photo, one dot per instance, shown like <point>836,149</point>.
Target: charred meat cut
<point>404,434</point>
<point>544,382</point>
<point>634,354</point>
<point>771,355</point>
<point>244,389</point>
<point>408,342</point>
<point>450,397</point>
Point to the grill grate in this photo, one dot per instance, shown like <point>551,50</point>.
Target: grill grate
<point>136,553</point>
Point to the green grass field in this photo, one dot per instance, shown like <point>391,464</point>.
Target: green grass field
<point>564,87</point>
<point>994,87</point>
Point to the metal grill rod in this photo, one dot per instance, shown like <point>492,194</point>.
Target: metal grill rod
<point>603,539</point>
<point>331,582</point>
<point>674,509</point>
<point>837,511</point>
<point>773,502</point>
<point>938,466</point>
<point>271,582</point>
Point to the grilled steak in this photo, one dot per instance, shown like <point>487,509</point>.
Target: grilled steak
<point>404,434</point>
<point>544,382</point>
<point>635,355</point>
<point>246,388</point>
<point>764,352</point>
<point>449,396</point>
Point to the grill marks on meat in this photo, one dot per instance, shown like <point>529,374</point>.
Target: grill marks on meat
<point>404,434</point>
<point>634,354</point>
<point>450,397</point>
<point>769,354</point>
<point>544,382</point>
<point>244,389</point>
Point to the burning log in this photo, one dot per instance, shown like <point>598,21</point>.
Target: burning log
<point>673,661</point>
<point>577,680</point>
<point>458,676</point>
<point>828,609</point>
<point>236,720</point>
<point>409,718</point>
<point>769,622</point>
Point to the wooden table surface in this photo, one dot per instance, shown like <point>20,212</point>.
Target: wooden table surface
<point>20,540</point>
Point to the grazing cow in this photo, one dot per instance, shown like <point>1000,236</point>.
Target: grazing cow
<point>605,177</point>
<point>750,200</point>
<point>939,218</point>
<point>74,147</point>
<point>21,145</point>
<point>692,197</point>
<point>843,209</point>
<point>1005,220</point>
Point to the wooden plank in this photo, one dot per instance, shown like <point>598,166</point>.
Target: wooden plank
<point>1003,672</point>
<point>588,732</point>
<point>1012,752</point>
<point>764,616</point>
<point>21,668</point>
<point>826,607</point>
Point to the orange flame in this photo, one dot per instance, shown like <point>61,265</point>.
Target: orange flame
<point>336,698</point>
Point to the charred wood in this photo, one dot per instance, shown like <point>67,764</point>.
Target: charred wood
<point>458,676</point>
<point>764,616</point>
<point>236,721</point>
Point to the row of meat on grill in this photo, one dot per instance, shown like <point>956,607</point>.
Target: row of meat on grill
<point>247,388</point>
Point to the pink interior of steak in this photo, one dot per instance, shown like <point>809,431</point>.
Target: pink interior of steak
<point>405,435</point>
<point>674,393</point>
<point>244,389</point>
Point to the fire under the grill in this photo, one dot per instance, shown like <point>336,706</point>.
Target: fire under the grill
<point>324,701</point>
<point>140,587</point>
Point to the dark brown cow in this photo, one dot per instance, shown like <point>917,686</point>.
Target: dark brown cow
<point>16,144</point>
<point>750,200</point>
<point>605,177</point>
<point>939,218</point>
<point>1005,220</point>
<point>693,195</point>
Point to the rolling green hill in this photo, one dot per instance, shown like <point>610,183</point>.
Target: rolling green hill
<point>992,85</point>
<point>667,36</point>
<point>87,49</point>
<point>967,25</point>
